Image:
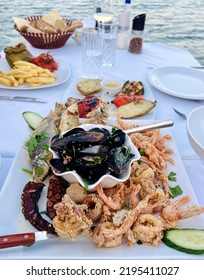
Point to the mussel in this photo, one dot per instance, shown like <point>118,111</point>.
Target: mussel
<point>119,158</point>
<point>92,153</point>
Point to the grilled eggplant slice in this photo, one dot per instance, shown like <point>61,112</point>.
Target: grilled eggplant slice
<point>136,108</point>
<point>132,88</point>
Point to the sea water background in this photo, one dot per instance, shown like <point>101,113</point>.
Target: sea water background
<point>174,22</point>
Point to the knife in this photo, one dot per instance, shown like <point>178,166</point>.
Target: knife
<point>23,98</point>
<point>20,239</point>
<point>195,67</point>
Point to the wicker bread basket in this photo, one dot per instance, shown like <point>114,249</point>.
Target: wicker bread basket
<point>46,40</point>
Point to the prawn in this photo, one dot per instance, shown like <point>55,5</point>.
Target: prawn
<point>116,199</point>
<point>173,212</point>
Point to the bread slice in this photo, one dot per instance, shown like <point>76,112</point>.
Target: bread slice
<point>89,86</point>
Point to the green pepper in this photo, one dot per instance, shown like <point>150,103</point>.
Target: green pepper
<point>19,52</point>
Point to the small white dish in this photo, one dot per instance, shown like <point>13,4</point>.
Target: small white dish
<point>106,180</point>
<point>195,129</point>
<point>182,82</point>
<point>111,87</point>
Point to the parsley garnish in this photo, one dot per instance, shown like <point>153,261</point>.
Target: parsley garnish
<point>33,142</point>
<point>171,176</point>
<point>126,206</point>
<point>142,152</point>
<point>86,185</point>
<point>27,171</point>
<point>176,191</point>
<point>39,170</point>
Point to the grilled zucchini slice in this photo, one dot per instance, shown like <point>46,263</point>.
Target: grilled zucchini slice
<point>132,88</point>
<point>190,241</point>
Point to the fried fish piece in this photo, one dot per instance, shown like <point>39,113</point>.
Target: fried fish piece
<point>38,143</point>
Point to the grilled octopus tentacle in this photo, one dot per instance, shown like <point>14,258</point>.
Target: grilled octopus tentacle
<point>56,189</point>
<point>30,196</point>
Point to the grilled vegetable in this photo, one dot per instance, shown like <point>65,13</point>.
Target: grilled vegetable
<point>46,61</point>
<point>190,241</point>
<point>136,108</point>
<point>132,88</point>
<point>123,99</point>
<point>19,52</point>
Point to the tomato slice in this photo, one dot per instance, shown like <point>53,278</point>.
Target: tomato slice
<point>123,99</point>
<point>45,61</point>
<point>86,105</point>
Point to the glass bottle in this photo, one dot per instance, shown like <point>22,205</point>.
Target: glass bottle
<point>136,38</point>
<point>124,20</point>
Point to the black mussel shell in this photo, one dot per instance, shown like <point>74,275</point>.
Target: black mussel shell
<point>78,140</point>
<point>119,159</point>
<point>97,150</point>
<point>58,165</point>
<point>73,131</point>
<point>117,138</point>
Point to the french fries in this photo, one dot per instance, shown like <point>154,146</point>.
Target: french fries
<point>26,72</point>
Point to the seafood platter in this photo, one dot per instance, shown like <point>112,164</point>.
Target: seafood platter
<point>80,177</point>
<point>141,216</point>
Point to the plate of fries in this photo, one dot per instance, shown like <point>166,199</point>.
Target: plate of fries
<point>27,76</point>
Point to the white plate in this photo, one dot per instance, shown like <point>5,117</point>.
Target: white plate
<point>62,74</point>
<point>72,91</point>
<point>12,221</point>
<point>183,82</point>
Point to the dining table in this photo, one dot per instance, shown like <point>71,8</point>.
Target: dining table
<point>14,129</point>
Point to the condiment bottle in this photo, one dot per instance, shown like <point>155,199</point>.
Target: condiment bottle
<point>124,20</point>
<point>136,38</point>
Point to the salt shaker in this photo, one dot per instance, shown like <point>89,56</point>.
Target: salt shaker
<point>123,31</point>
<point>124,20</point>
<point>136,38</point>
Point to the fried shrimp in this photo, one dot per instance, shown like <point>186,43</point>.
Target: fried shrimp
<point>115,196</point>
<point>129,218</point>
<point>174,211</point>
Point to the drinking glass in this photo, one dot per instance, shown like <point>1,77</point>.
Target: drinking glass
<point>109,43</point>
<point>92,47</point>
<point>103,10</point>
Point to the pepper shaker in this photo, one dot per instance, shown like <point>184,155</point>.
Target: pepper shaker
<point>136,38</point>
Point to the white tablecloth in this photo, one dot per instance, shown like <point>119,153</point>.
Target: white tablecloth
<point>14,130</point>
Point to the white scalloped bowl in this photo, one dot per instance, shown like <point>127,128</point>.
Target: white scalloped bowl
<point>195,129</point>
<point>106,180</point>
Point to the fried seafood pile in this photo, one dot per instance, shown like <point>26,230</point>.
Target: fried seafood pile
<point>137,210</point>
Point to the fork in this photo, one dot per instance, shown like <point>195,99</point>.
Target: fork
<point>183,115</point>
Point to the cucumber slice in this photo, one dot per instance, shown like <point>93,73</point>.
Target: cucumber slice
<point>190,241</point>
<point>33,119</point>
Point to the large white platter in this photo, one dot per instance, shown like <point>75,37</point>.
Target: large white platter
<point>182,82</point>
<point>62,74</point>
<point>12,221</point>
<point>72,91</point>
